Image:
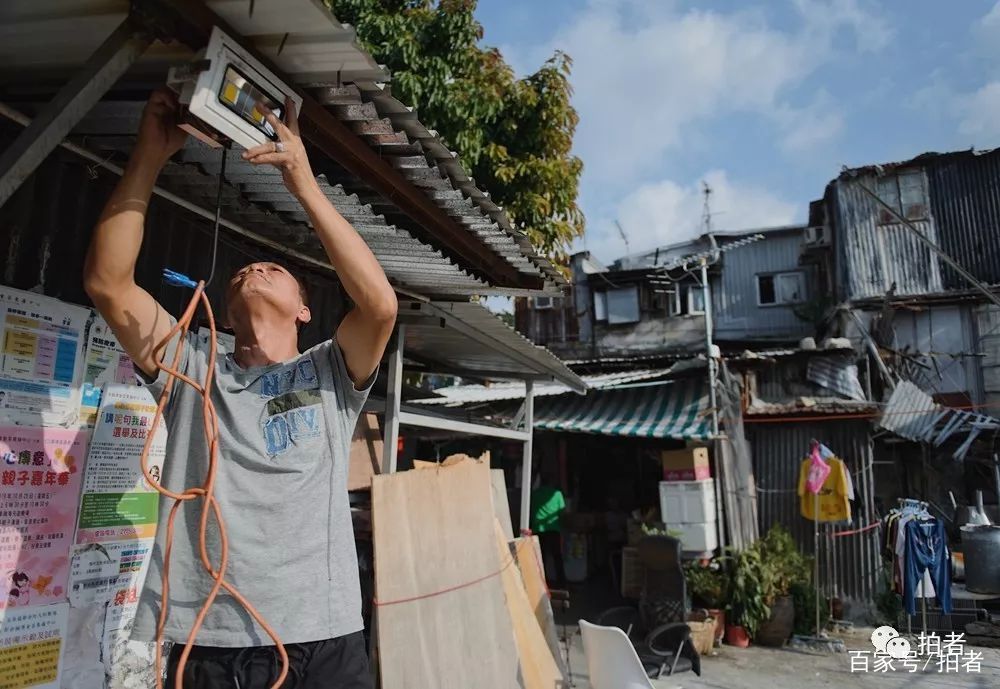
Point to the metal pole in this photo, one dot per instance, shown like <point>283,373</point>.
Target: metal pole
<point>707,299</point>
<point>529,421</point>
<point>816,559</point>
<point>996,476</point>
<point>394,385</point>
<point>73,101</point>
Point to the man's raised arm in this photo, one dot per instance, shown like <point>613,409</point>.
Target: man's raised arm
<point>137,319</point>
<point>364,332</point>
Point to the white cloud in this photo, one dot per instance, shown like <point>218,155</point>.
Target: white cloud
<point>666,212</point>
<point>979,115</point>
<point>810,127</point>
<point>646,73</point>
<point>986,31</point>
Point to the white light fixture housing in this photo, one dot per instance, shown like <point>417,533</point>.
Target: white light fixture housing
<point>221,90</point>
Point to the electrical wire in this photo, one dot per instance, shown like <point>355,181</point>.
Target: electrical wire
<point>205,492</point>
<point>218,214</point>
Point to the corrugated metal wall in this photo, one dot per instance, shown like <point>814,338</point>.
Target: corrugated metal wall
<point>849,565</point>
<point>45,229</point>
<point>965,201</point>
<point>875,256</point>
<point>736,313</point>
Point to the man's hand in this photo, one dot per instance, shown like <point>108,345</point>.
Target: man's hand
<point>288,154</point>
<point>159,136</point>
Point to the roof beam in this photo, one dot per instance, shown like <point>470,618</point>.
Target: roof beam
<point>48,129</point>
<point>191,21</point>
<point>408,418</point>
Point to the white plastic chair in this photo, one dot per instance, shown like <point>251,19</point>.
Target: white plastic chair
<point>612,662</point>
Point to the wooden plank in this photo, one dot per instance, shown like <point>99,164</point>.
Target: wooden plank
<point>366,453</point>
<point>501,507</point>
<point>538,667</point>
<point>432,534</point>
<point>529,562</point>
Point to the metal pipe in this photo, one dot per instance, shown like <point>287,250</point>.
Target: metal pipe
<point>706,297</point>
<point>394,386</point>
<point>529,422</point>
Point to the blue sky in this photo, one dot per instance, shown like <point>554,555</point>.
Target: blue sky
<point>765,100</point>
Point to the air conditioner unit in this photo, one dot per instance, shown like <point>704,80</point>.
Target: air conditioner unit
<point>817,236</point>
<point>542,302</point>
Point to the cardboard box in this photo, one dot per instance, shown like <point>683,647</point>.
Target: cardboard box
<point>690,464</point>
<point>687,502</point>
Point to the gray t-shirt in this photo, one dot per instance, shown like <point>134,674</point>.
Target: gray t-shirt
<point>284,435</point>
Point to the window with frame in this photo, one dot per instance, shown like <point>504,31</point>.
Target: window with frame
<point>906,193</point>
<point>623,305</point>
<point>776,289</point>
<point>600,306</point>
<point>695,300</point>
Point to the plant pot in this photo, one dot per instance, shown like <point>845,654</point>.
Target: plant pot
<point>737,636</point>
<point>720,624</point>
<point>779,626</point>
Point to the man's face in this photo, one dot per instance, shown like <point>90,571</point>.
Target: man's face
<point>265,287</point>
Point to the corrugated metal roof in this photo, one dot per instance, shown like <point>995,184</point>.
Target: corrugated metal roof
<point>256,198</point>
<point>40,35</point>
<point>318,51</point>
<point>457,395</point>
<point>466,338</point>
<point>911,413</point>
<point>678,411</point>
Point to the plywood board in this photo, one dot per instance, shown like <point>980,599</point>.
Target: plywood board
<point>538,667</point>
<point>501,507</point>
<point>366,453</point>
<point>529,562</point>
<point>434,531</point>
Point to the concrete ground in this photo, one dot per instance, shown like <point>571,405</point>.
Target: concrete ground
<point>755,667</point>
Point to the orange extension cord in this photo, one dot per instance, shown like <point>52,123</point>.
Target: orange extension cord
<point>205,491</point>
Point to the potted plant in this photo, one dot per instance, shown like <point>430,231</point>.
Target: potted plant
<point>709,587</point>
<point>789,570</point>
<point>749,586</point>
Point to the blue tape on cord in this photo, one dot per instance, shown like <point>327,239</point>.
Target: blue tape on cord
<point>176,279</point>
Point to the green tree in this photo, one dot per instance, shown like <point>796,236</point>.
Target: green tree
<point>513,135</point>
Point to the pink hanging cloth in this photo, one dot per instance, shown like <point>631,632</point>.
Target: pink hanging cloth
<point>818,470</point>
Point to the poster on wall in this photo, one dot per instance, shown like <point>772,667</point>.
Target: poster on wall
<point>41,360</point>
<point>118,504</point>
<point>128,664</point>
<point>99,570</point>
<point>105,363</point>
<point>31,646</point>
<point>40,470</point>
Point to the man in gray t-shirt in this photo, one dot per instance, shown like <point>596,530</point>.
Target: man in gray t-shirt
<point>285,424</point>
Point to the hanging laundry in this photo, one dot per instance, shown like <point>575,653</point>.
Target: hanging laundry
<point>927,550</point>
<point>831,501</point>
<point>896,545</point>
<point>817,472</point>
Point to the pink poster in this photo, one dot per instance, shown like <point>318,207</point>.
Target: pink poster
<point>40,476</point>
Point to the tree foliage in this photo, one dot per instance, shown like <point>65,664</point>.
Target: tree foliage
<point>513,135</point>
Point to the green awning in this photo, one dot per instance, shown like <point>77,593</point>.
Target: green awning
<point>676,409</point>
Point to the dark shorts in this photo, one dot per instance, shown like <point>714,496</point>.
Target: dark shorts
<point>340,663</point>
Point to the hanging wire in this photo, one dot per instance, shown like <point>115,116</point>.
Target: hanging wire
<point>218,214</point>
